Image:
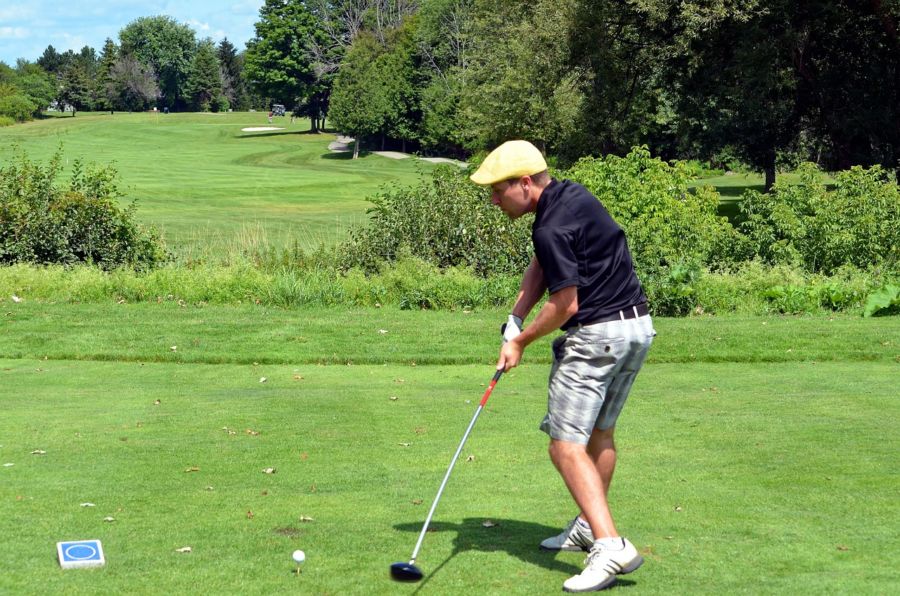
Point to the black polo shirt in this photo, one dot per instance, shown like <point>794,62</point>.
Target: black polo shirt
<point>577,243</point>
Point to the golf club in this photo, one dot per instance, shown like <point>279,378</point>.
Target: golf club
<point>408,572</point>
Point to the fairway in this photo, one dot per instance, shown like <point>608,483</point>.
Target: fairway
<point>774,475</point>
<point>207,185</point>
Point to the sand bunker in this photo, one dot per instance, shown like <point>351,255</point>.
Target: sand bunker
<point>392,154</point>
<point>260,128</point>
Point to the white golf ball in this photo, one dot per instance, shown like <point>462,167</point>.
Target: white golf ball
<point>299,556</point>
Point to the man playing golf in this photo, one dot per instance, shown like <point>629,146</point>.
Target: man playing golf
<point>582,259</point>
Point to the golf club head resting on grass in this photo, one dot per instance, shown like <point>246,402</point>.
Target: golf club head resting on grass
<point>405,572</point>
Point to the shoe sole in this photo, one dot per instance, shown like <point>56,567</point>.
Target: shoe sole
<point>635,563</point>
<point>602,586</point>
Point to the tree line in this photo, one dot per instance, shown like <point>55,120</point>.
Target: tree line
<point>158,62</point>
<point>766,83</point>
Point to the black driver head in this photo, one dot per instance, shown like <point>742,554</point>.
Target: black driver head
<point>405,572</point>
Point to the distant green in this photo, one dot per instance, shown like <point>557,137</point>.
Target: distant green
<point>207,185</point>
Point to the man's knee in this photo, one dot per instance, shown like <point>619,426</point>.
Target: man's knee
<point>562,450</point>
<point>603,436</point>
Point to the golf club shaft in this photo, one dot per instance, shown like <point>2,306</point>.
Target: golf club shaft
<point>437,498</point>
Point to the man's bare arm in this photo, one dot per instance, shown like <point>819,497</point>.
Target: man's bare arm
<point>561,307</point>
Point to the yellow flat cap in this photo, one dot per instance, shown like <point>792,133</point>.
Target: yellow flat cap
<point>512,159</point>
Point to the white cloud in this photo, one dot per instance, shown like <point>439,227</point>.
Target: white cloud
<point>68,41</point>
<point>15,13</point>
<point>198,26</point>
<point>13,33</point>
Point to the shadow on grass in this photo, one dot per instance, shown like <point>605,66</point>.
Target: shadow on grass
<point>344,155</point>
<point>517,538</point>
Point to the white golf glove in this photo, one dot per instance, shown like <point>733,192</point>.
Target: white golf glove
<point>511,328</point>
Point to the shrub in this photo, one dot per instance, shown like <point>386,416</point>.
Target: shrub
<point>18,107</point>
<point>221,104</point>
<point>806,224</point>
<point>666,224</point>
<point>6,121</point>
<point>697,169</point>
<point>757,288</point>
<point>41,222</point>
<point>446,221</point>
<point>884,301</point>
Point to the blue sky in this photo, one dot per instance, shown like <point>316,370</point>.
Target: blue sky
<point>27,27</point>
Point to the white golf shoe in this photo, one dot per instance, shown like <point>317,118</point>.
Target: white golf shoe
<point>576,536</point>
<point>602,565</point>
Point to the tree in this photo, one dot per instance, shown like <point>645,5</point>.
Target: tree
<point>74,88</point>
<point>739,86</point>
<point>444,39</point>
<point>36,84</point>
<point>133,85</point>
<point>51,60</point>
<point>167,47</point>
<point>766,77</point>
<point>518,82</point>
<point>278,64</point>
<point>358,103</point>
<point>103,79</point>
<point>203,86</point>
<point>851,68</point>
<point>401,81</point>
<point>232,65</point>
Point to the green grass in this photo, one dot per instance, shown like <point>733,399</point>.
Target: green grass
<point>756,454</point>
<point>248,334</point>
<point>207,185</point>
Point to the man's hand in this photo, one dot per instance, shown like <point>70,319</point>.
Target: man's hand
<point>510,355</point>
<point>562,305</point>
<point>511,328</point>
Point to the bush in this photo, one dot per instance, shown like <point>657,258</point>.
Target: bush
<point>673,233</point>
<point>43,223</point>
<point>697,169</point>
<point>6,121</point>
<point>803,249</point>
<point>18,107</point>
<point>805,224</point>
<point>446,221</point>
<point>884,301</point>
<point>758,288</point>
<point>221,104</point>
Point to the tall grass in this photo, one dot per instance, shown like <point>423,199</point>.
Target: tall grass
<point>286,278</point>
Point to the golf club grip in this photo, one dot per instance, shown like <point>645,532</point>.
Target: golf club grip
<point>490,388</point>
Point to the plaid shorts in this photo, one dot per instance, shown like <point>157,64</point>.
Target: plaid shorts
<point>593,370</point>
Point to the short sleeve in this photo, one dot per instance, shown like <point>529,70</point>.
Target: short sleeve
<point>553,247</point>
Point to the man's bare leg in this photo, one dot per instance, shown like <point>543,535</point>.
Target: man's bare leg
<point>602,450</point>
<point>584,482</point>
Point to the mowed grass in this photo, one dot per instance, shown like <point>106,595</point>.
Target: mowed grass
<point>757,455</point>
<point>209,186</point>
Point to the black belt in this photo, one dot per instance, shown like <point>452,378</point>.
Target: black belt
<point>632,312</point>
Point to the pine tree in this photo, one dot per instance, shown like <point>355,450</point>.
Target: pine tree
<point>203,87</point>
